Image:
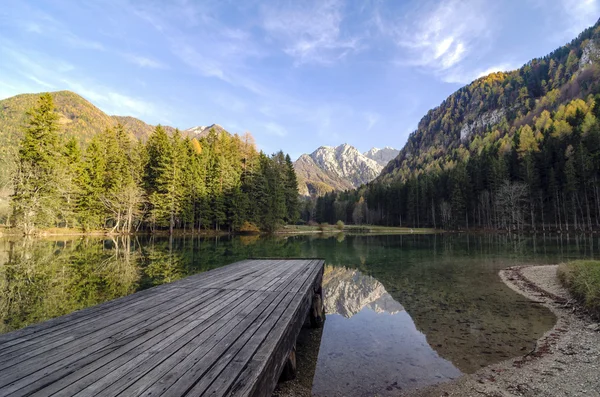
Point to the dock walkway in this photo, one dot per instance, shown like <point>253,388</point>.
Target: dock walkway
<point>225,332</point>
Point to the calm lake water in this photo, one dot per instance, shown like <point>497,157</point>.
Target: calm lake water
<point>404,311</point>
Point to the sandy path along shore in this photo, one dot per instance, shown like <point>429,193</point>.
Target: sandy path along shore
<point>565,362</point>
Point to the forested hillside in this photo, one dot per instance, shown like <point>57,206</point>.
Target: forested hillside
<point>114,181</point>
<point>77,117</point>
<point>515,150</point>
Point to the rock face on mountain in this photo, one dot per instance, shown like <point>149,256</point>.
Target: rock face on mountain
<point>382,156</point>
<point>348,291</point>
<point>339,168</point>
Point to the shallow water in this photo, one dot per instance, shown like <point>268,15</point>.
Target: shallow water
<point>404,311</point>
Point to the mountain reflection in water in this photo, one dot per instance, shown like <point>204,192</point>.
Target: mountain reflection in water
<point>370,345</point>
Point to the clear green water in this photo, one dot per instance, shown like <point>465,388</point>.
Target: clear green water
<point>404,310</point>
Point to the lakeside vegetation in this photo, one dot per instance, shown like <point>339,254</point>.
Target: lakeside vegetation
<point>218,182</point>
<point>582,278</point>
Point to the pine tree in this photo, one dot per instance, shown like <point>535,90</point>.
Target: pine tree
<point>122,196</point>
<point>291,192</point>
<point>68,188</point>
<point>36,199</point>
<point>163,178</point>
<point>91,186</point>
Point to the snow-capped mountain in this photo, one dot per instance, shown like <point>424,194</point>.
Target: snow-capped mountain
<point>339,168</point>
<point>202,131</point>
<point>382,156</point>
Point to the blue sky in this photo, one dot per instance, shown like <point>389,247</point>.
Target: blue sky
<point>296,74</point>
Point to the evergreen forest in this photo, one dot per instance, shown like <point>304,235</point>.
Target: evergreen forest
<point>117,183</point>
<point>511,151</point>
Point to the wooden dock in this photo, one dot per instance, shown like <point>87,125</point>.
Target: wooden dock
<point>227,332</point>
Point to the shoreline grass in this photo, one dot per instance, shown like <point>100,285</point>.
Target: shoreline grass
<point>582,279</point>
<point>350,229</point>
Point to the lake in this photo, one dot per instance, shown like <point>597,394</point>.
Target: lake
<point>404,311</point>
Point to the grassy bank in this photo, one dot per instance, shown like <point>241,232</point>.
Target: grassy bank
<point>582,278</point>
<point>330,229</point>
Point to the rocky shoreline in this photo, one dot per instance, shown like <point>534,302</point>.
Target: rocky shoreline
<point>565,362</point>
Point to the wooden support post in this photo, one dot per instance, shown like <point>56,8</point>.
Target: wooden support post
<point>317,311</point>
<point>289,368</point>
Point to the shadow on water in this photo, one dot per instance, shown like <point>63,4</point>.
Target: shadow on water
<point>406,310</point>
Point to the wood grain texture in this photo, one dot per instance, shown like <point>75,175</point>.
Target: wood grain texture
<point>225,332</point>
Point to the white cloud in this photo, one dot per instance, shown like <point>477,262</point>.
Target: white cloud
<point>144,62</point>
<point>80,43</point>
<point>505,67</point>
<point>109,100</point>
<point>441,37</point>
<point>50,73</point>
<point>203,43</point>
<point>311,32</point>
<point>39,82</point>
<point>84,90</point>
<point>124,104</point>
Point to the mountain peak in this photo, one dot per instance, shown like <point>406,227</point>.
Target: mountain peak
<point>382,156</point>
<point>202,130</point>
<point>335,168</point>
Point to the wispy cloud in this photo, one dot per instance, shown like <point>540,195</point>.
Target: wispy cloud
<point>567,18</point>
<point>372,119</point>
<point>124,103</point>
<point>38,81</point>
<point>144,62</point>
<point>580,14</point>
<point>439,37</point>
<point>110,100</point>
<point>48,73</point>
<point>38,22</point>
<point>204,43</point>
<point>310,32</point>
<point>275,129</point>
<point>80,43</point>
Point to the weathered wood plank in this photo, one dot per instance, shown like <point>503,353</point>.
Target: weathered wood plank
<point>219,356</point>
<point>94,325</point>
<point>228,331</point>
<point>95,366</point>
<point>257,332</point>
<point>71,320</point>
<point>179,353</point>
<point>259,376</point>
